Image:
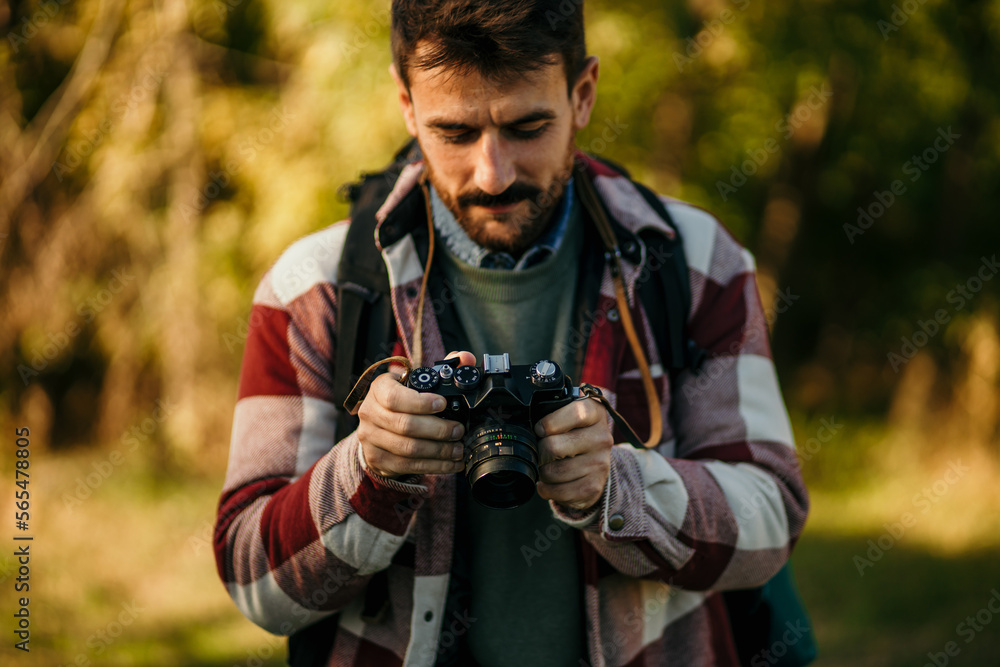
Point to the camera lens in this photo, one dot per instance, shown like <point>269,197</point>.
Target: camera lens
<point>501,465</point>
<point>503,479</point>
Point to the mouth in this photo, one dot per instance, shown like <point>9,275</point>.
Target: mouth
<point>494,210</point>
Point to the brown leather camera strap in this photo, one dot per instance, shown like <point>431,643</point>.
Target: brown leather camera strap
<point>418,329</point>
<point>590,391</point>
<point>593,206</point>
<point>353,402</point>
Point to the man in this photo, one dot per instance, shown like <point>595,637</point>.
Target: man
<point>488,239</point>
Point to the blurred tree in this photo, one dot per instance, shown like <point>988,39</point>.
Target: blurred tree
<point>156,157</point>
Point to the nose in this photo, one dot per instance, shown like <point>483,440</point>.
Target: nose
<point>494,165</point>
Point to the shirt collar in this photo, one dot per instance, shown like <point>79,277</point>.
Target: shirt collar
<point>470,252</point>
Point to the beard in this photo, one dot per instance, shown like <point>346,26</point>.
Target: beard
<point>513,231</point>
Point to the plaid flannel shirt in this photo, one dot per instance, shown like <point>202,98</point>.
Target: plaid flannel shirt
<point>302,524</point>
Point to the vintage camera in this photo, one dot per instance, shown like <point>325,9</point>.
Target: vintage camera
<point>499,405</point>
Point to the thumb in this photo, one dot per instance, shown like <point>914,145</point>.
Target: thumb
<point>465,358</point>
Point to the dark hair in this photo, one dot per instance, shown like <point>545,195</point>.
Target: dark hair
<point>499,40</point>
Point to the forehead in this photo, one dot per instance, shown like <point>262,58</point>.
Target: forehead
<point>466,96</point>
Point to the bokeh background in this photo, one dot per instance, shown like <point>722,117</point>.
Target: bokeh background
<point>156,157</point>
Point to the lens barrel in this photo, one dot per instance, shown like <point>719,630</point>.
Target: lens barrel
<point>501,465</point>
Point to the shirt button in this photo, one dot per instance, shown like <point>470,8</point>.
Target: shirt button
<point>429,616</point>
<point>411,292</point>
<point>613,314</point>
<point>616,522</point>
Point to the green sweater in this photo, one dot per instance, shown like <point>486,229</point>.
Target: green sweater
<point>527,313</point>
<point>525,574</point>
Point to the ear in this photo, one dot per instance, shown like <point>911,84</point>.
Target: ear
<point>405,101</point>
<point>584,93</point>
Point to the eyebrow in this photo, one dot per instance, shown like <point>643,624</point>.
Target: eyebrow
<point>442,123</point>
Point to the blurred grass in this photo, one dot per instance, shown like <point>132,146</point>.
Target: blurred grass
<point>909,604</point>
<point>143,540</point>
<point>908,599</point>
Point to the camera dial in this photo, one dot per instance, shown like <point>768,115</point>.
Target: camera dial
<point>424,379</point>
<point>467,378</point>
<point>546,374</point>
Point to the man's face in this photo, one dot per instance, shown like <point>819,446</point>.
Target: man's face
<point>498,155</point>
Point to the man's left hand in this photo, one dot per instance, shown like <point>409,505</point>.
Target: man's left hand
<point>574,454</point>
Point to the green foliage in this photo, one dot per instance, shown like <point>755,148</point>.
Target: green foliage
<point>155,159</point>
<point>205,143</point>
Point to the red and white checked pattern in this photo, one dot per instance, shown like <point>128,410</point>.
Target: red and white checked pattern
<point>303,525</point>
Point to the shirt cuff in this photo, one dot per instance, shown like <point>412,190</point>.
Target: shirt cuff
<point>407,483</point>
<point>581,518</point>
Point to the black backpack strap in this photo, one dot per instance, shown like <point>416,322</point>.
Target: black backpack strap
<point>672,293</point>
<point>365,324</point>
<point>310,646</point>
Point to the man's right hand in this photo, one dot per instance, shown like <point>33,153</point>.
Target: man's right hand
<point>400,435</point>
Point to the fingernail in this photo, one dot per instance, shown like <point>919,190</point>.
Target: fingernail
<point>456,452</point>
<point>456,432</point>
<point>539,430</point>
<point>438,404</point>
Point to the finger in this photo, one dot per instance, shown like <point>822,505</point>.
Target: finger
<point>578,414</point>
<point>397,397</point>
<point>596,438</point>
<point>411,448</point>
<point>427,427</point>
<point>387,409</point>
<point>578,494</point>
<point>563,446</point>
<point>570,469</point>
<point>465,358</point>
<point>385,461</point>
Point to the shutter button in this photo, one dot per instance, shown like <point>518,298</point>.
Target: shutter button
<point>616,522</point>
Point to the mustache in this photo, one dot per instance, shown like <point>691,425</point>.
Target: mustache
<point>515,193</point>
